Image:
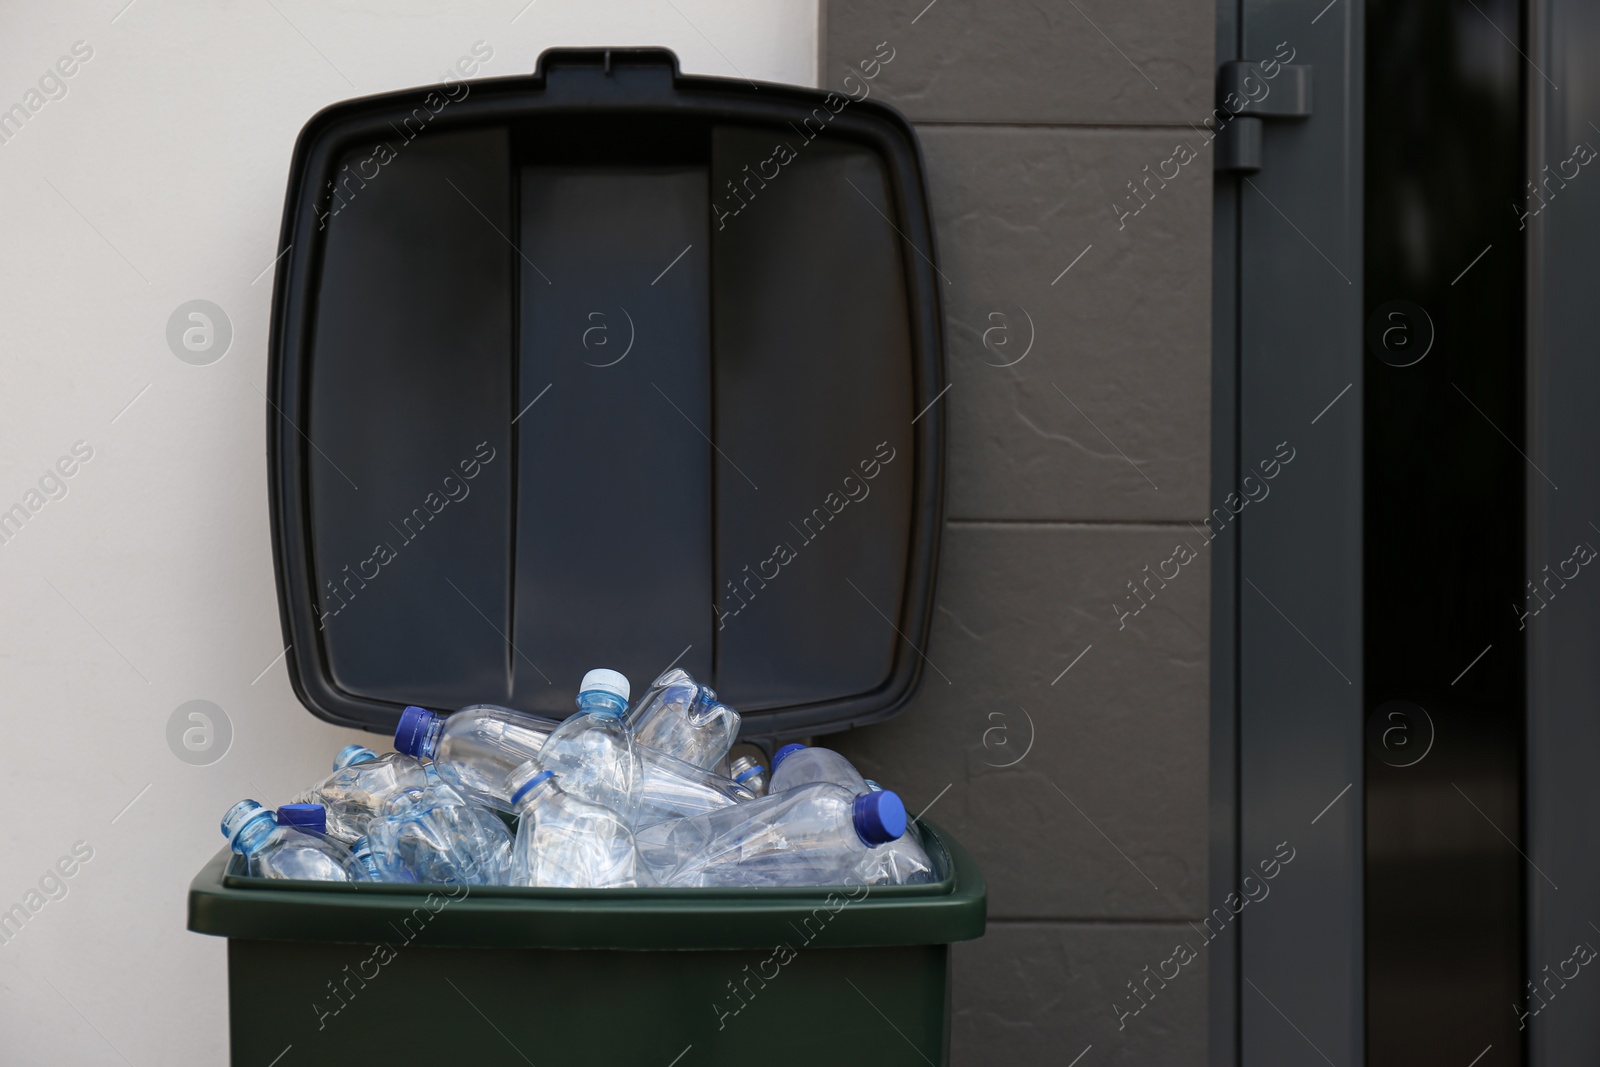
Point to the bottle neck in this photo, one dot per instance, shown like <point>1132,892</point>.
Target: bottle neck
<point>254,834</point>
<point>430,739</point>
<point>353,754</point>
<point>536,795</point>
<point>605,705</point>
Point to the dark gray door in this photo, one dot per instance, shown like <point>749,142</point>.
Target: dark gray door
<point>1289,358</point>
<point>1405,688</point>
<point>1563,665</point>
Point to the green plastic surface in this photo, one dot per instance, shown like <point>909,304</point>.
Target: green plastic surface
<point>789,1004</point>
<point>340,975</point>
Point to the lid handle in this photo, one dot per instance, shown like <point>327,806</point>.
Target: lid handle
<point>604,60</point>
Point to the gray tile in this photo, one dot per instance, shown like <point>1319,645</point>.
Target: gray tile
<point>1041,993</point>
<point>1107,415</point>
<point>1088,61</point>
<point>1105,815</point>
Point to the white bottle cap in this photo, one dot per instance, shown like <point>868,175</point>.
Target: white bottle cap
<point>606,681</point>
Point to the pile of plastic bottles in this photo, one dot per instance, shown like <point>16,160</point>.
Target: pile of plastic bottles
<point>610,797</point>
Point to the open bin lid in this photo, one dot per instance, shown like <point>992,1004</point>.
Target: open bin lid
<point>606,366</point>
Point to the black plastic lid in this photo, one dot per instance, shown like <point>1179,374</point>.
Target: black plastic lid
<point>607,366</point>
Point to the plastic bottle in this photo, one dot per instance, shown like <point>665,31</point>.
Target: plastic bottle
<point>492,839</point>
<point>903,861</point>
<point>682,718</point>
<point>426,836</point>
<point>353,754</point>
<point>672,789</point>
<point>563,840</point>
<point>273,851</point>
<point>437,783</point>
<point>361,783</point>
<point>794,765</point>
<point>748,773</point>
<point>312,818</point>
<point>474,748</point>
<point>362,851</point>
<point>592,753</point>
<point>816,834</point>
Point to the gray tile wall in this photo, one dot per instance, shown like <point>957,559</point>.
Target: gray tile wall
<point>1075,470</point>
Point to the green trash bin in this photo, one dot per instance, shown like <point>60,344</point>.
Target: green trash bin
<point>729,294</point>
<point>372,974</point>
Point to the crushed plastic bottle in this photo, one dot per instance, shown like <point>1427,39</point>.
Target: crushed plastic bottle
<point>361,783</point>
<point>437,783</point>
<point>563,840</point>
<point>426,836</point>
<point>816,834</point>
<point>594,757</point>
<point>685,720</point>
<point>903,861</point>
<point>273,851</point>
<point>592,754</point>
<point>474,748</point>
<point>362,851</point>
<point>672,789</point>
<point>795,765</point>
<point>489,830</point>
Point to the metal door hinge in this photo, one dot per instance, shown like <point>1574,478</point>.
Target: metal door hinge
<point>1247,94</point>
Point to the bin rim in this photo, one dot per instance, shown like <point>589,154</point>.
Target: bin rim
<point>655,918</point>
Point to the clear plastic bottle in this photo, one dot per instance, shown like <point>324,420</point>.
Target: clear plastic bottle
<point>596,758</point>
<point>682,718</point>
<point>493,840</point>
<point>794,765</point>
<point>273,851</point>
<point>592,753</point>
<point>903,861</point>
<point>362,851</point>
<point>352,754</point>
<point>748,773</point>
<point>361,783</point>
<point>312,818</point>
<point>672,789</point>
<point>817,834</point>
<point>425,836</point>
<point>474,748</point>
<point>563,840</point>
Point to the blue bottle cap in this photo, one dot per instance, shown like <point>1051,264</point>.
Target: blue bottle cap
<point>782,754</point>
<point>749,774</point>
<point>413,728</point>
<point>528,786</point>
<point>304,816</point>
<point>879,817</point>
<point>352,754</point>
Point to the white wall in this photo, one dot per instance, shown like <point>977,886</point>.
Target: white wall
<point>157,179</point>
